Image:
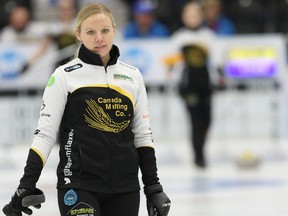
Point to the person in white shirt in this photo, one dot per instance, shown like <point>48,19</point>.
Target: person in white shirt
<point>23,30</point>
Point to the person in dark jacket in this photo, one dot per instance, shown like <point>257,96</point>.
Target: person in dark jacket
<point>216,20</point>
<point>145,23</point>
<point>98,106</point>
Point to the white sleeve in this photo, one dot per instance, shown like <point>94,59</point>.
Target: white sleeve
<point>53,105</point>
<point>141,121</point>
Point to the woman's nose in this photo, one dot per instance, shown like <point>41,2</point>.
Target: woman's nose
<point>99,36</point>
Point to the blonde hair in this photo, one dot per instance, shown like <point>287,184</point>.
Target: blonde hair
<point>91,9</point>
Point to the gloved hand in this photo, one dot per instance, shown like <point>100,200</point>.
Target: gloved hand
<point>22,199</point>
<point>158,203</point>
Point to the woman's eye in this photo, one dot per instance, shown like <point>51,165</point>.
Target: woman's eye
<point>90,32</point>
<point>105,30</point>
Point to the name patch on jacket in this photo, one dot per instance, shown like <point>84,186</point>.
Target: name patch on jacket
<point>73,67</point>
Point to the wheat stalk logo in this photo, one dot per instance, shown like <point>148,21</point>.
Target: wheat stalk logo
<point>98,119</point>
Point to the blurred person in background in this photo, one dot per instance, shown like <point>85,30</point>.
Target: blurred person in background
<point>7,5</point>
<point>21,29</point>
<point>99,106</point>
<point>215,20</point>
<point>62,30</point>
<point>144,23</point>
<point>193,42</point>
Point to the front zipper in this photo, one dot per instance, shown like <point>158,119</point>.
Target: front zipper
<point>106,76</point>
<point>112,144</point>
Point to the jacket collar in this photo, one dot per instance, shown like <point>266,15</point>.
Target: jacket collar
<point>92,58</point>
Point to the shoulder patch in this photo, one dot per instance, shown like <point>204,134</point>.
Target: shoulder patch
<point>73,67</point>
<point>51,81</point>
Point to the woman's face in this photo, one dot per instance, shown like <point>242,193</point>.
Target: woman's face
<point>97,33</point>
<point>192,16</point>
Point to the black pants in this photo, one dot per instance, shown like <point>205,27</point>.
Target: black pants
<point>200,117</point>
<point>75,202</point>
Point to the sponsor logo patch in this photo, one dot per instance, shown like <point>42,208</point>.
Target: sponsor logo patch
<point>83,209</point>
<point>73,67</point>
<point>122,77</point>
<point>51,81</point>
<point>98,118</point>
<point>68,151</point>
<point>45,115</point>
<point>70,198</point>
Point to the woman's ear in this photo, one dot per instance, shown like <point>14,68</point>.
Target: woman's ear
<point>77,33</point>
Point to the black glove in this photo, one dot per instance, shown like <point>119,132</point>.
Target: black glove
<point>22,199</point>
<point>158,203</point>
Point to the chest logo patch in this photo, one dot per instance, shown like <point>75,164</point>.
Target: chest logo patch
<point>97,118</point>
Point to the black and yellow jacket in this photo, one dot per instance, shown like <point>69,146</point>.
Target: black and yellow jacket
<point>100,117</point>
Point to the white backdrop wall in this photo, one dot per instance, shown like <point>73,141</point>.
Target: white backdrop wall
<point>254,113</point>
